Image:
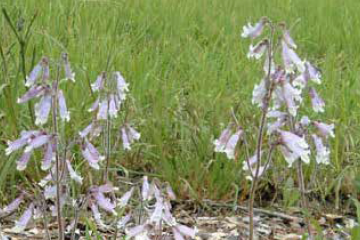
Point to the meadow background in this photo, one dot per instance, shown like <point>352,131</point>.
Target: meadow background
<point>187,66</point>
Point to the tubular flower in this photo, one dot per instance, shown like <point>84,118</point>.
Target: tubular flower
<point>317,103</point>
<point>123,201</point>
<point>14,205</point>
<point>23,221</point>
<point>42,109</point>
<point>296,146</point>
<point>129,135</point>
<point>291,59</point>
<point>33,92</point>
<point>324,129</point>
<point>259,93</point>
<point>91,154</point>
<point>68,72</point>
<point>228,141</point>
<point>314,73</point>
<point>64,113</point>
<point>250,31</point>
<point>122,86</point>
<point>288,39</point>
<point>99,83</point>
<point>73,175</point>
<point>41,68</point>
<point>322,152</point>
<point>258,50</point>
<point>280,121</point>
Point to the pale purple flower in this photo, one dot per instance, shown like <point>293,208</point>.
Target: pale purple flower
<point>145,189</point>
<point>68,72</point>
<point>258,50</point>
<point>170,193</point>
<point>86,131</point>
<point>42,109</point>
<point>45,180</point>
<point>48,157</point>
<point>140,229</point>
<point>73,175</point>
<point>122,86</point>
<point>291,96</point>
<point>64,113</point>
<point>296,145</point>
<point>23,221</point>
<point>113,110</point>
<point>103,110</point>
<point>314,73</point>
<point>322,152</point>
<point>21,142</point>
<point>157,214</point>
<point>317,103</point>
<point>324,129</point>
<point>96,213</point>
<point>37,142</point>
<point>104,202</point>
<point>106,188</point>
<point>14,205</point>
<point>95,105</point>
<point>290,157</point>
<point>34,91</point>
<point>23,161</point>
<point>288,39</point>
<point>291,59</point>
<point>305,121</point>
<point>35,73</point>
<point>227,142</point>
<point>301,80</point>
<point>99,83</point>
<point>123,201</point>
<point>250,31</point>
<point>280,121</point>
<point>259,93</point>
<point>91,154</point>
<point>129,135</point>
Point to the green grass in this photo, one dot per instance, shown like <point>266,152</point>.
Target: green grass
<point>187,66</point>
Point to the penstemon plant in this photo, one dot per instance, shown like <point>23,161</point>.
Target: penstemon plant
<point>102,198</point>
<point>287,83</point>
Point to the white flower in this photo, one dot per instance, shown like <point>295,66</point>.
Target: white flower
<point>227,142</point>
<point>317,103</point>
<point>291,59</point>
<point>325,130</point>
<point>258,50</point>
<point>259,93</point>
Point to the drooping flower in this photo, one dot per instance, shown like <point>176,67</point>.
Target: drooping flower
<point>288,39</point>
<point>123,221</point>
<point>21,142</point>
<point>64,113</point>
<point>33,92</point>
<point>68,72</point>
<point>259,93</point>
<point>289,95</point>
<point>23,161</point>
<point>42,109</point>
<point>129,135</point>
<point>305,121</point>
<point>314,73</point>
<point>296,146</point>
<point>291,59</point>
<point>281,119</point>
<point>97,215</point>
<point>38,141</point>
<point>324,129</point>
<point>180,231</point>
<point>48,157</point>
<point>23,221</point>
<point>250,31</point>
<point>145,189</point>
<point>322,152</point>
<point>99,83</point>
<point>14,205</point>
<point>258,50</point>
<point>73,175</point>
<point>122,86</point>
<point>227,142</point>
<point>113,110</point>
<point>123,201</point>
<point>91,154</point>
<point>317,103</point>
<point>41,67</point>
<point>103,110</point>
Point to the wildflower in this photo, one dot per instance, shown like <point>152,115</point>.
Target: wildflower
<point>296,146</point>
<point>23,161</point>
<point>314,73</point>
<point>317,103</point>
<point>104,202</point>
<point>21,142</point>
<point>129,135</point>
<point>123,201</point>
<point>227,142</point>
<point>68,72</point>
<point>258,50</point>
<point>14,205</point>
<point>280,122</point>
<point>113,110</point>
<point>48,157</point>
<point>23,221</point>
<point>34,91</point>
<point>181,231</point>
<point>95,105</point>
<point>145,189</point>
<point>91,154</point>
<point>42,109</point>
<point>322,152</point>
<point>122,86</point>
<point>291,59</point>
<point>290,157</point>
<point>259,93</point>
<point>250,31</point>
<point>64,113</point>
<point>38,141</point>
<point>73,175</point>
<point>97,215</point>
<point>305,121</point>
<point>99,83</point>
<point>123,221</point>
<point>103,110</point>
<point>324,129</point>
<point>288,39</point>
<point>34,75</point>
<point>291,96</point>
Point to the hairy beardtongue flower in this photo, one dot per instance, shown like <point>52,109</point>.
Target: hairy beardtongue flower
<point>228,140</point>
